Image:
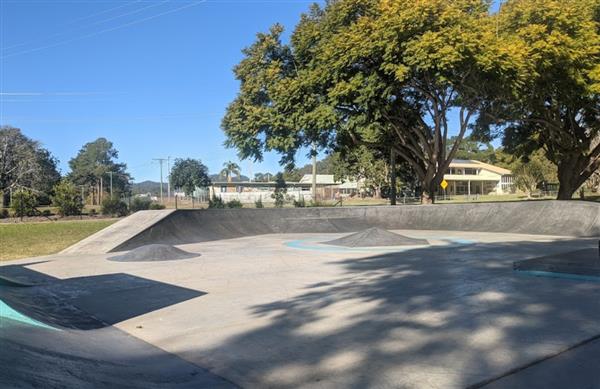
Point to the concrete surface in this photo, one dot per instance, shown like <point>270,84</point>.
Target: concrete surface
<point>576,219</point>
<point>257,311</point>
<point>114,235</point>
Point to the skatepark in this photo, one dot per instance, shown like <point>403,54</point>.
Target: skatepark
<point>496,295</point>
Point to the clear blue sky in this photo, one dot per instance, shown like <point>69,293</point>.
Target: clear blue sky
<point>152,76</point>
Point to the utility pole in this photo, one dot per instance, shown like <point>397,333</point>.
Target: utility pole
<point>161,161</point>
<point>169,178</point>
<point>111,186</point>
<point>314,172</point>
<point>392,177</point>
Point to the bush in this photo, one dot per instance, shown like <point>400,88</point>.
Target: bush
<point>23,203</point>
<point>300,203</point>
<point>235,204</point>
<point>114,207</point>
<point>66,199</point>
<point>216,202</point>
<point>280,191</point>
<point>46,213</point>
<point>93,212</point>
<point>140,204</point>
<point>157,206</point>
<point>258,203</point>
<point>4,214</point>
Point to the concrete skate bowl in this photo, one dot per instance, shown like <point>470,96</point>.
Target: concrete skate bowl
<point>569,219</point>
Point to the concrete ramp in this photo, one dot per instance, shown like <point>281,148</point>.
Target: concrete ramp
<point>561,218</point>
<point>172,227</point>
<point>108,239</point>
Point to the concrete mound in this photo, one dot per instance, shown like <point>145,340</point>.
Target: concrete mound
<point>376,237</point>
<point>578,263</point>
<point>152,253</point>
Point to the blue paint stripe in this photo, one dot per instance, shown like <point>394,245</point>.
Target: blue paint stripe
<point>566,276</point>
<point>315,244</point>
<point>7,312</point>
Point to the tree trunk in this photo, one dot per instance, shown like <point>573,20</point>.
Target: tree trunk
<point>393,193</point>
<point>567,179</point>
<point>6,198</point>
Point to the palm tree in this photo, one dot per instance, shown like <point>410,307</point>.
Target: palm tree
<point>229,169</point>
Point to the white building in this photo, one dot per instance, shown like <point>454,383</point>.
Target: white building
<point>467,177</point>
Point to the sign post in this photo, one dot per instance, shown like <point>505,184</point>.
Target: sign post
<point>444,185</point>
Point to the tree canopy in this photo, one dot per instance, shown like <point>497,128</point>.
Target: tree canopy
<point>189,174</point>
<point>382,74</point>
<point>24,163</point>
<point>95,162</point>
<point>553,102</point>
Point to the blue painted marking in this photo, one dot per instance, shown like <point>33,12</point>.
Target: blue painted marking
<point>576,277</point>
<point>7,312</point>
<point>315,244</point>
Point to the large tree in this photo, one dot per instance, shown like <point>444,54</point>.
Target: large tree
<point>189,174</point>
<point>556,104</point>
<point>24,163</point>
<point>94,165</point>
<point>383,74</point>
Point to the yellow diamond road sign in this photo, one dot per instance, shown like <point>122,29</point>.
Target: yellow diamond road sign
<point>444,184</point>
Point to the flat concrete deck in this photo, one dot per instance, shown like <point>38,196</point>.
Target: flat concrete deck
<point>285,311</point>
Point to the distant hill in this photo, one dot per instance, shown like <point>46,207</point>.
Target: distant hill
<point>154,187</point>
<point>148,187</point>
<point>219,178</point>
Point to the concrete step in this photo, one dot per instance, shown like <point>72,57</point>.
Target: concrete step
<point>111,237</point>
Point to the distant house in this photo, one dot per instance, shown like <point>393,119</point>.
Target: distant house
<point>250,191</point>
<point>467,177</point>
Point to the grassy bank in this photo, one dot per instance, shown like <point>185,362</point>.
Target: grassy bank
<point>24,240</point>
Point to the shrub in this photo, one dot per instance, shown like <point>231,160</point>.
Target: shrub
<point>140,204</point>
<point>46,213</point>
<point>258,203</point>
<point>299,203</point>
<point>216,202</point>
<point>93,212</point>
<point>280,190</point>
<point>4,214</point>
<point>23,203</point>
<point>114,207</point>
<point>235,204</point>
<point>157,206</point>
<point>66,199</point>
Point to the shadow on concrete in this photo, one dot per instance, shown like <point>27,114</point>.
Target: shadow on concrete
<point>91,302</point>
<point>429,317</point>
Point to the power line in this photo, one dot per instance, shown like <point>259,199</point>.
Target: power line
<point>47,37</point>
<point>134,22</point>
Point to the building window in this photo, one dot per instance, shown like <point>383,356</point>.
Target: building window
<point>471,171</point>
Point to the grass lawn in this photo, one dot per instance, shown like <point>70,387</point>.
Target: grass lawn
<point>35,239</point>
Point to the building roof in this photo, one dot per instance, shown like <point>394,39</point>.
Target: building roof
<point>322,179</point>
<point>470,163</point>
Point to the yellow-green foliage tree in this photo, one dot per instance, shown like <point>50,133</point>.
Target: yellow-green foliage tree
<point>382,74</point>
<point>555,100</point>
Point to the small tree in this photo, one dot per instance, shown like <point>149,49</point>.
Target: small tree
<point>527,177</point>
<point>280,190</point>
<point>258,203</point>
<point>23,203</point>
<point>189,174</point>
<point>67,199</point>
